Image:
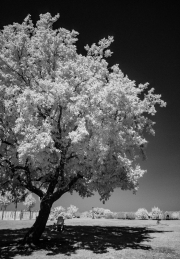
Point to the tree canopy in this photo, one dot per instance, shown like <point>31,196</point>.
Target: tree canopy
<point>68,122</point>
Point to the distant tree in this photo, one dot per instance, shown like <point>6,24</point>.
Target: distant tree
<point>68,122</point>
<point>18,196</point>
<point>5,200</point>
<point>29,202</point>
<point>156,213</point>
<point>56,212</point>
<point>142,214</point>
<point>72,210</point>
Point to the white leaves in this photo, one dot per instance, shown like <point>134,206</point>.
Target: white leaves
<point>57,103</point>
<point>97,51</point>
<point>72,209</point>
<point>80,133</point>
<point>29,202</point>
<point>5,199</point>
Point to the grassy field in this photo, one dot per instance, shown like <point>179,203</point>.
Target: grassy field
<point>96,239</point>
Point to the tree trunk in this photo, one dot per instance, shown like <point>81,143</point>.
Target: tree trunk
<point>35,232</point>
<point>4,209</point>
<point>15,211</point>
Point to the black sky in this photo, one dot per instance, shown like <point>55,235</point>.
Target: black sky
<point>146,47</point>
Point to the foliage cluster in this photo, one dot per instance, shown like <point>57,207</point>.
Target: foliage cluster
<point>130,215</point>
<point>142,214</point>
<point>68,213</point>
<point>5,200</point>
<point>96,213</point>
<point>156,213</point>
<point>16,196</point>
<point>100,212</point>
<point>109,215</point>
<point>77,214</point>
<point>120,215</point>
<point>86,214</point>
<point>29,202</point>
<point>172,215</point>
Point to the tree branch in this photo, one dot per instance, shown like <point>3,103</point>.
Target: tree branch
<point>7,143</point>
<point>72,155</point>
<point>30,187</point>
<point>12,69</point>
<point>59,119</point>
<point>56,195</point>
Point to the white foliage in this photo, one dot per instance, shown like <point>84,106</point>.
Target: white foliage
<point>5,199</point>
<point>72,209</point>
<point>156,213</point>
<point>142,214</point>
<point>64,115</point>
<point>56,212</point>
<point>29,202</point>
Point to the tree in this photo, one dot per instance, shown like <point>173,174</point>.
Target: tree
<point>29,202</point>
<point>5,200</point>
<point>17,194</point>
<point>68,122</point>
<point>56,212</point>
<point>72,209</point>
<point>142,214</point>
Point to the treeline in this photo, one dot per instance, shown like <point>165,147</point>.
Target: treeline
<point>98,213</point>
<point>94,213</point>
<point>18,215</point>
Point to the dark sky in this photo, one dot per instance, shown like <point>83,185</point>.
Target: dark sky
<point>146,47</point>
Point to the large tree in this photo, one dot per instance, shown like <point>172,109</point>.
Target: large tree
<point>68,122</point>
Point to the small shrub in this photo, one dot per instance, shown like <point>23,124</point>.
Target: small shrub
<point>107,211</point>
<point>120,215</point>
<point>77,214</point>
<point>173,215</point>
<point>150,215</point>
<point>51,217</point>
<point>109,215</point>
<point>86,214</point>
<point>142,214</point>
<point>130,215</point>
<point>98,216</point>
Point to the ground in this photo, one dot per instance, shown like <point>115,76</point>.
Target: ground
<point>95,238</point>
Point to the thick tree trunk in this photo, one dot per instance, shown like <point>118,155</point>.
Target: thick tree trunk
<point>35,232</point>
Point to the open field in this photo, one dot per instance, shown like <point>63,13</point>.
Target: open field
<point>97,239</point>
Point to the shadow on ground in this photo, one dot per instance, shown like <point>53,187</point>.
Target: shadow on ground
<point>93,238</point>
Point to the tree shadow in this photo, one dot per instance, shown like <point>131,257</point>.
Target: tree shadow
<point>94,238</point>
